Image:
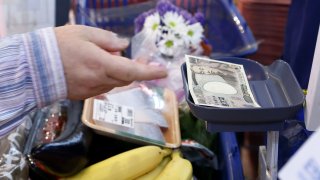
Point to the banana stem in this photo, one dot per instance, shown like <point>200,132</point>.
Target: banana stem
<point>166,152</point>
<point>176,154</point>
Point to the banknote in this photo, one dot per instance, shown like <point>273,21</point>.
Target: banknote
<point>218,83</point>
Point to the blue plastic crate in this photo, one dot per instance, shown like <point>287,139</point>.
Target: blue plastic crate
<point>230,159</point>
<point>225,28</point>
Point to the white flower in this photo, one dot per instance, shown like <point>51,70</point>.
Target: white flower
<point>193,34</point>
<point>174,21</point>
<point>152,24</point>
<point>170,44</point>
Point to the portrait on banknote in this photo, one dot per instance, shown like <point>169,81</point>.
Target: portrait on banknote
<point>218,83</point>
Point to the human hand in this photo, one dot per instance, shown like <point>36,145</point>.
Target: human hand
<point>91,64</point>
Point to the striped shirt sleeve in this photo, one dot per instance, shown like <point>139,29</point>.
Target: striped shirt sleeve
<point>31,75</point>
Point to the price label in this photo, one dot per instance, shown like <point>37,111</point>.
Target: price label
<point>113,113</point>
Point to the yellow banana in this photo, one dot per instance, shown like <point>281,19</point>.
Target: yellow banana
<point>156,171</point>
<point>128,165</point>
<point>177,169</point>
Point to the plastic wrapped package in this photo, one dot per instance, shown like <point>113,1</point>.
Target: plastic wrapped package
<point>59,142</point>
<point>135,113</point>
<point>12,160</point>
<point>146,102</point>
<point>164,34</point>
<point>54,123</point>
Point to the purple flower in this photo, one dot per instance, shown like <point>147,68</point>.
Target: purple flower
<point>151,11</point>
<point>205,40</point>
<point>186,15</point>
<point>199,17</point>
<point>164,6</point>
<point>138,22</point>
<point>192,21</point>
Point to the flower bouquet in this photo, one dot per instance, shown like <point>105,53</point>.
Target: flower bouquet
<point>164,35</point>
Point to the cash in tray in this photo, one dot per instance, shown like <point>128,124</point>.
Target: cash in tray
<point>274,87</point>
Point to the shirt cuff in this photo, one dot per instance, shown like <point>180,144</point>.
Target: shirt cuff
<point>45,65</point>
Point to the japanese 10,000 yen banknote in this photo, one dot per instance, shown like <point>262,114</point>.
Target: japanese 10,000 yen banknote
<point>218,83</point>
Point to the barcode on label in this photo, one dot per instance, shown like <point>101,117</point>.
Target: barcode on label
<point>126,121</point>
<point>129,113</point>
<point>106,111</point>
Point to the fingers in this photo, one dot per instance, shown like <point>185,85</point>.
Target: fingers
<point>111,82</point>
<point>123,69</point>
<point>126,70</point>
<point>116,53</point>
<point>106,39</point>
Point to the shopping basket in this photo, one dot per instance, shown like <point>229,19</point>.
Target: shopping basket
<point>225,28</point>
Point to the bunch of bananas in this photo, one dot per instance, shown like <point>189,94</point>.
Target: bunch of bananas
<point>144,163</point>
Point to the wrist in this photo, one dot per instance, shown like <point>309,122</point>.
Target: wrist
<point>45,66</point>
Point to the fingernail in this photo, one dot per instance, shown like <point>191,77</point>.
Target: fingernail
<point>158,67</point>
<point>155,64</point>
<point>123,41</point>
<point>114,34</point>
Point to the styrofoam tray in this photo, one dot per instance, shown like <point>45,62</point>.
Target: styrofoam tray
<point>170,112</point>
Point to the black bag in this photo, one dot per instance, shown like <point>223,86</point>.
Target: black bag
<point>67,153</point>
